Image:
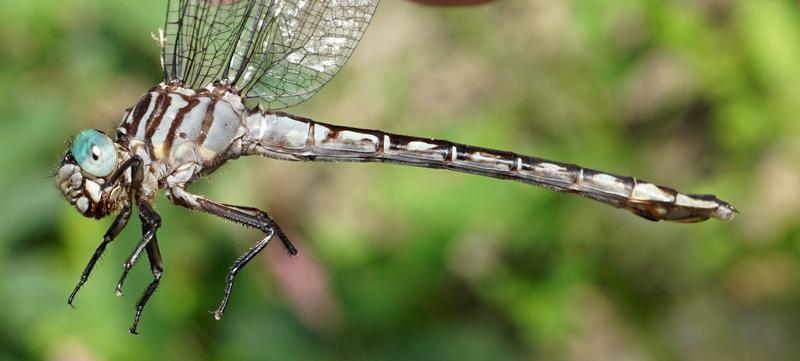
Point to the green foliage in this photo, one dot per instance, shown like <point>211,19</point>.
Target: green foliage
<point>399,263</point>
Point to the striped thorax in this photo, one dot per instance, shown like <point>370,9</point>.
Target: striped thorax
<point>178,131</point>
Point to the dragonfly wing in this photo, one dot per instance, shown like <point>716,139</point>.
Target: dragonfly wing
<point>200,36</point>
<point>310,42</point>
<point>277,53</point>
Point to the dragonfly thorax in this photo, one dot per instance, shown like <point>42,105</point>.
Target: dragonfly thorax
<point>179,132</point>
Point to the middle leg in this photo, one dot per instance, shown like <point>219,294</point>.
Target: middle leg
<point>157,268</point>
<point>150,223</point>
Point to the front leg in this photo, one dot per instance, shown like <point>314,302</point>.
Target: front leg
<point>247,216</point>
<point>116,227</point>
<point>135,165</point>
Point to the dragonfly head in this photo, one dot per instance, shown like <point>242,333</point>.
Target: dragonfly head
<point>85,168</point>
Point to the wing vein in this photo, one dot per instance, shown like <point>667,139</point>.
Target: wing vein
<point>277,53</point>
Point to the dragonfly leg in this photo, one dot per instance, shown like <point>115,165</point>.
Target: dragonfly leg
<point>134,163</point>
<point>157,268</point>
<point>237,266</point>
<point>150,223</point>
<point>248,216</point>
<point>116,227</point>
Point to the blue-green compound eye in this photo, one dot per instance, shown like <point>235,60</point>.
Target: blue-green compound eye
<point>94,153</point>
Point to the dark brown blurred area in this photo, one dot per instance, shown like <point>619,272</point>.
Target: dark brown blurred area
<point>452,2</point>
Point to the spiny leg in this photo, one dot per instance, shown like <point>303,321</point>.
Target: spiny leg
<point>116,227</point>
<point>157,268</point>
<point>150,223</point>
<point>247,216</point>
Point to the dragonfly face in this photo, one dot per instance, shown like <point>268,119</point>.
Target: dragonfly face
<point>85,171</point>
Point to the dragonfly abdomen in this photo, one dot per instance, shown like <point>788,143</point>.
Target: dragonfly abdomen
<point>284,136</point>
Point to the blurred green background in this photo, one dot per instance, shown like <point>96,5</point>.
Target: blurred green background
<point>401,263</point>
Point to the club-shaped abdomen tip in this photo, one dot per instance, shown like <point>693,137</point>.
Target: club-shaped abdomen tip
<point>726,212</point>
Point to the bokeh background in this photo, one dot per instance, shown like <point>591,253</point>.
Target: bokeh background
<point>400,263</point>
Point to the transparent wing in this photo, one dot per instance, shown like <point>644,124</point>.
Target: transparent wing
<point>277,53</point>
<point>309,43</point>
<point>200,36</point>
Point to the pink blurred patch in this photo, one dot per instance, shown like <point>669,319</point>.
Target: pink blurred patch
<point>306,285</point>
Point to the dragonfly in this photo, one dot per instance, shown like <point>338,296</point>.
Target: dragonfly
<point>229,68</point>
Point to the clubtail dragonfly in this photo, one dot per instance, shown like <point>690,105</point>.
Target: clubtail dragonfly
<point>229,66</point>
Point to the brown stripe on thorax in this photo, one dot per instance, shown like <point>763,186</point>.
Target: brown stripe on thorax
<point>176,123</point>
<point>138,112</point>
<point>154,121</point>
<point>207,121</point>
